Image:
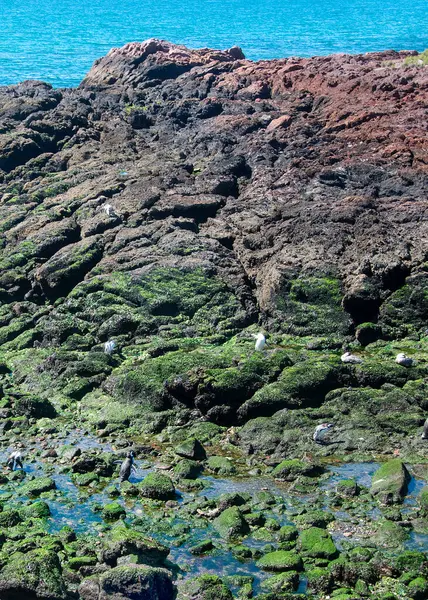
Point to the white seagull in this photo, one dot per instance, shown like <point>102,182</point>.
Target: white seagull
<point>109,210</point>
<point>260,341</point>
<point>404,361</point>
<point>350,358</point>
<point>109,347</point>
<point>320,431</point>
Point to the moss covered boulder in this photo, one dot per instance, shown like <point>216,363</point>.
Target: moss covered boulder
<point>286,581</point>
<point>231,523</point>
<point>187,469</point>
<point>347,488</point>
<point>134,581</point>
<point>36,574</point>
<point>191,449</point>
<point>280,560</point>
<point>36,510</point>
<point>220,465</point>
<point>288,533</point>
<point>289,470</point>
<point>319,580</point>
<point>389,534</point>
<point>317,543</point>
<point>9,517</point>
<point>113,512</point>
<point>37,486</point>
<point>389,483</point>
<point>123,541</point>
<point>205,587</point>
<point>157,486</point>
<point>34,406</point>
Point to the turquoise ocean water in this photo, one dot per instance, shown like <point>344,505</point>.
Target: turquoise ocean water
<point>58,40</point>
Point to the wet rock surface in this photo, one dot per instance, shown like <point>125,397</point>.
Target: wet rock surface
<point>153,221</point>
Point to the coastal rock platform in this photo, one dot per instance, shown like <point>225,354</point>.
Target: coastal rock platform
<point>153,221</point>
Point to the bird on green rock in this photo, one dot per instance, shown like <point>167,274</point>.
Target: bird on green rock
<point>127,467</point>
<point>15,461</point>
<point>320,431</point>
<point>260,341</point>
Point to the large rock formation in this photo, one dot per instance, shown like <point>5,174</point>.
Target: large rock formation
<point>178,197</point>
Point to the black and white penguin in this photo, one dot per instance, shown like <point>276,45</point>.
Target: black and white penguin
<point>126,467</point>
<point>15,461</point>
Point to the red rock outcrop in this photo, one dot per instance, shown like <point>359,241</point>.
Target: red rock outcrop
<point>261,172</point>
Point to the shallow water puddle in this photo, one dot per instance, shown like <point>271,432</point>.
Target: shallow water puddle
<point>80,508</point>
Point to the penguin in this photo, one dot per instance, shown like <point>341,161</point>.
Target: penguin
<point>319,432</point>
<point>350,358</point>
<point>15,461</point>
<point>404,361</point>
<point>260,341</point>
<point>126,467</point>
<point>424,435</point>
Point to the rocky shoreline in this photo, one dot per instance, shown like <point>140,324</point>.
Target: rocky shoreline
<point>175,204</point>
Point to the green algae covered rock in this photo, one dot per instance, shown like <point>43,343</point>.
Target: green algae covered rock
<point>81,561</point>
<point>113,512</point>
<point>423,501</point>
<point>84,479</point>
<point>206,587</point>
<point>319,580</point>
<point>231,523</point>
<point>9,518</point>
<point>157,486</point>
<point>280,560</point>
<point>36,510</point>
<point>389,534</point>
<point>283,582</point>
<point>317,543</point>
<point>296,385</point>
<point>288,533</point>
<point>389,483</point>
<point>409,560</point>
<point>133,581</point>
<point>191,449</point>
<point>35,574</point>
<point>37,486</point>
<point>418,588</point>
<point>314,518</point>
<point>221,466</point>
<point>288,470</point>
<point>187,469</point>
<point>122,541</point>
<point>33,406</point>
<point>347,488</point>
<point>202,548</point>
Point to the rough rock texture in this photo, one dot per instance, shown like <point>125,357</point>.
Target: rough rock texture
<point>129,582</point>
<point>390,481</point>
<point>177,199</point>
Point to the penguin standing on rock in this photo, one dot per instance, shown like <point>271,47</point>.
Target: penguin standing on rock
<point>15,461</point>
<point>127,467</point>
